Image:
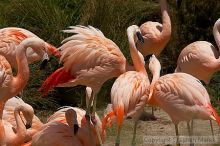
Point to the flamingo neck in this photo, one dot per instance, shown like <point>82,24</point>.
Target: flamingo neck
<point>216,33</point>
<point>138,64</point>
<point>23,70</point>
<point>21,129</point>
<point>166,30</point>
<point>156,76</point>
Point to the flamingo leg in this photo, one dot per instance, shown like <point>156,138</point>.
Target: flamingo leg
<point>212,130</point>
<point>94,120</point>
<point>177,135</point>
<point>192,127</point>
<point>152,111</point>
<point>190,134</point>
<point>133,143</point>
<point>117,141</point>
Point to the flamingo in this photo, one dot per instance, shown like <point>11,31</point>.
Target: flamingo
<point>182,96</point>
<point>201,59</point>
<point>155,34</point>
<point>129,91</point>
<point>12,85</point>
<point>8,115</point>
<point>16,135</point>
<point>67,127</point>
<point>12,36</point>
<point>90,59</point>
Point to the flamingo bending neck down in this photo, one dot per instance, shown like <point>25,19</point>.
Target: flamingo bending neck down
<point>8,116</point>
<point>201,59</point>
<point>11,85</point>
<point>183,97</point>
<point>156,35</point>
<point>129,91</point>
<point>17,136</point>
<point>67,127</point>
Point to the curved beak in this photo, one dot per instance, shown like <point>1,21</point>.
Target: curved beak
<point>178,2</point>
<point>44,62</point>
<point>28,126</point>
<point>76,128</point>
<point>140,37</point>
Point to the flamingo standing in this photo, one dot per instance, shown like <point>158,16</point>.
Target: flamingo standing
<point>156,35</point>
<point>201,59</point>
<point>16,135</point>
<point>12,36</point>
<point>129,91</point>
<point>8,115</point>
<point>12,85</point>
<point>182,96</point>
<point>89,59</point>
<point>68,128</point>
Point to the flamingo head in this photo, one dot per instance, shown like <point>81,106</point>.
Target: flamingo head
<point>154,64</point>
<point>28,113</point>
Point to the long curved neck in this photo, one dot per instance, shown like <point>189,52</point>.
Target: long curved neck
<point>20,80</point>
<point>216,33</point>
<point>138,64</point>
<point>21,129</point>
<point>156,76</point>
<point>166,31</point>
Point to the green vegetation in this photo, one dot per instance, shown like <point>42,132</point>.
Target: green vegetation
<point>193,21</point>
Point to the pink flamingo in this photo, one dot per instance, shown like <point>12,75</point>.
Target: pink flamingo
<point>12,85</point>
<point>89,59</point>
<point>67,127</point>
<point>8,115</point>
<point>201,58</point>
<point>182,96</point>
<point>16,134</point>
<point>129,91</point>
<point>12,36</point>
<point>156,35</point>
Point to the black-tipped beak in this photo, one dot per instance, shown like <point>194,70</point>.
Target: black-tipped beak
<point>146,58</point>
<point>178,2</point>
<point>44,61</point>
<point>140,37</point>
<point>44,64</point>
<point>76,128</point>
<point>28,126</point>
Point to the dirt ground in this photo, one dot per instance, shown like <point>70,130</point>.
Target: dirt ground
<point>154,133</point>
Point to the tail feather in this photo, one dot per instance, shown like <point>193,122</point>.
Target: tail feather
<point>107,121</point>
<point>58,77</point>
<point>120,115</point>
<point>214,114</point>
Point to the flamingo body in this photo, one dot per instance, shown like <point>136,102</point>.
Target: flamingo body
<point>89,59</point>
<point>201,59</point>
<point>10,37</point>
<point>183,97</point>
<point>155,34</point>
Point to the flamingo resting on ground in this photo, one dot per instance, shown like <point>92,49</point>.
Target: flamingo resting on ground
<point>182,96</point>
<point>8,115</point>
<point>13,36</point>
<point>201,59</point>
<point>68,128</point>
<point>156,35</point>
<point>11,85</point>
<point>129,91</point>
<point>89,58</point>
